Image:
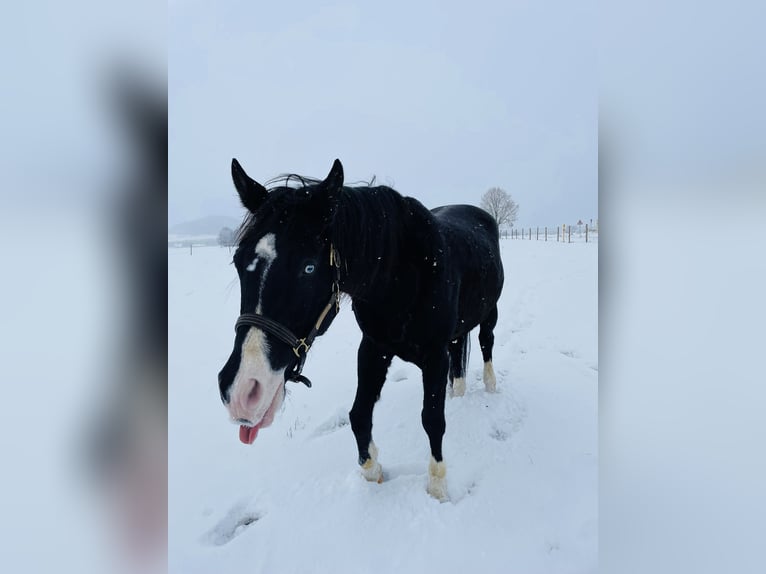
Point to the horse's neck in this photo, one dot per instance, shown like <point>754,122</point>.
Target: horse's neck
<point>365,281</point>
<point>369,229</point>
<point>380,240</point>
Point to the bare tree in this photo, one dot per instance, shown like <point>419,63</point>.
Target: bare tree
<point>500,205</point>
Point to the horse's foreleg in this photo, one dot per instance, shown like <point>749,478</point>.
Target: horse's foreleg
<point>372,365</point>
<point>435,371</point>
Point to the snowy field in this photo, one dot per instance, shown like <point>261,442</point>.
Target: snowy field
<point>521,464</point>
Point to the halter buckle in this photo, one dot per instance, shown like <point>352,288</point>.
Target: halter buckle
<point>301,343</point>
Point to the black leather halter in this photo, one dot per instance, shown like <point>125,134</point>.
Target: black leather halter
<point>299,346</point>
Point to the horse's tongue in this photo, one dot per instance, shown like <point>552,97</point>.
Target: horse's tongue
<point>247,434</point>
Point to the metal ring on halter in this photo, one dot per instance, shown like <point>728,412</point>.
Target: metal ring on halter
<point>301,343</point>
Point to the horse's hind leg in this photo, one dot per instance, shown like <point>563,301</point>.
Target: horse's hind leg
<point>435,370</point>
<point>458,356</point>
<point>372,365</point>
<point>487,341</point>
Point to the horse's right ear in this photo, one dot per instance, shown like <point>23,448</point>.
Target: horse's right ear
<point>251,193</point>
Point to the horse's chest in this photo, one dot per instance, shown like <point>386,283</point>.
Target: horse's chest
<point>392,327</point>
<point>380,322</point>
<point>406,332</point>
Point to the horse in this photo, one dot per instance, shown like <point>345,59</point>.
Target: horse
<point>419,282</point>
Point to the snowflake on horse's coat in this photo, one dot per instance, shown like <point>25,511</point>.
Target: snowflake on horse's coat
<point>419,282</point>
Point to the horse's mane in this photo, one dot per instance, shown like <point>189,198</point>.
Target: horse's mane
<point>284,183</point>
<point>369,225</point>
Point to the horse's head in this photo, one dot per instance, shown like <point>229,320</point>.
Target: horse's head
<point>286,280</point>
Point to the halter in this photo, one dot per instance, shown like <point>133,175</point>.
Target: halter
<point>299,346</point>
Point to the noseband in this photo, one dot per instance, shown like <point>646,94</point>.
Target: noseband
<point>299,346</point>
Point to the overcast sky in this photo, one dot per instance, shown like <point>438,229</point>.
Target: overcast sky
<point>440,100</point>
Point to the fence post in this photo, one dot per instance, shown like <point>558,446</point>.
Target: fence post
<point>537,234</point>
<point>546,233</point>
<point>586,233</point>
<point>570,234</point>
<point>557,233</point>
<point>530,234</point>
<point>190,248</point>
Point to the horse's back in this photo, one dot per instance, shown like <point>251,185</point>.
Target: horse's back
<point>468,221</point>
<point>471,234</point>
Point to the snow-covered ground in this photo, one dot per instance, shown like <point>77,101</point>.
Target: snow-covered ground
<point>521,463</point>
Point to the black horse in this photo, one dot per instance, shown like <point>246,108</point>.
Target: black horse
<point>419,281</point>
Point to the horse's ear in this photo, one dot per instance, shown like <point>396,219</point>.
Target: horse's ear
<point>332,185</point>
<point>334,180</point>
<point>251,193</point>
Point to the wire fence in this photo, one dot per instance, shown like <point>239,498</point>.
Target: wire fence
<point>574,233</point>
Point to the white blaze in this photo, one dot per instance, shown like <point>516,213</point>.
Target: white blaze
<point>265,248</point>
<point>266,251</point>
<point>260,406</point>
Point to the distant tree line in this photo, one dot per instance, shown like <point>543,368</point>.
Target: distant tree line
<point>226,238</point>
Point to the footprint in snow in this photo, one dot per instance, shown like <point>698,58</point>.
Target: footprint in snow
<point>236,521</point>
<point>457,495</point>
<point>334,423</point>
<point>499,434</point>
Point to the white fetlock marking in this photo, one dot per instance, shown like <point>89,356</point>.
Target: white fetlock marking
<point>458,387</point>
<point>371,469</point>
<point>490,383</point>
<point>437,480</point>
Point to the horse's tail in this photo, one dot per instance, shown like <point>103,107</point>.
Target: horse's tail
<point>458,356</point>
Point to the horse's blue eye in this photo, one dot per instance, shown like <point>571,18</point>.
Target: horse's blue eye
<point>308,269</point>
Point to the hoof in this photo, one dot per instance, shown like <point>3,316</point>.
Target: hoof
<point>371,469</point>
<point>490,383</point>
<point>458,387</point>
<point>437,481</point>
